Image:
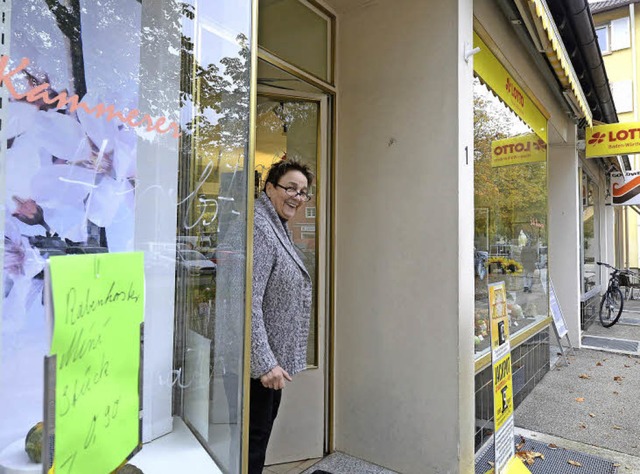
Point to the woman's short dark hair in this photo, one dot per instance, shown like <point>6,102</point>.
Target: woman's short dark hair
<point>279,169</point>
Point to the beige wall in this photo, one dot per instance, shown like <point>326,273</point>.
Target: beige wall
<point>404,282</point>
<point>565,214</point>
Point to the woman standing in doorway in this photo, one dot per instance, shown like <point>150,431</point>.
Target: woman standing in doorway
<point>281,306</point>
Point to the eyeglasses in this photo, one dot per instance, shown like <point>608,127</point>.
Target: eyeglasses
<point>294,193</point>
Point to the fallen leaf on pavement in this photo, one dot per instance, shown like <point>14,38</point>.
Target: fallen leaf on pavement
<point>616,464</point>
<point>580,399</point>
<point>592,415</point>
<point>616,427</point>
<point>552,446</point>
<point>599,364</point>
<point>616,393</point>
<point>529,457</point>
<point>627,365</point>
<point>519,446</point>
<point>584,376</point>
<point>617,378</point>
<point>574,463</point>
<point>583,426</point>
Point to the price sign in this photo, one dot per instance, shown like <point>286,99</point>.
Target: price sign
<point>98,306</point>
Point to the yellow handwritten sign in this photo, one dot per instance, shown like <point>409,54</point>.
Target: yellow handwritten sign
<point>98,306</point>
<point>498,79</point>
<point>612,139</point>
<point>518,150</point>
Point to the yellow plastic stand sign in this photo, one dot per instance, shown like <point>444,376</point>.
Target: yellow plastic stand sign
<point>98,307</point>
<point>502,381</point>
<point>502,391</point>
<point>612,139</point>
<point>514,466</point>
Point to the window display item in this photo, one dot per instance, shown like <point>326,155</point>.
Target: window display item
<point>33,443</point>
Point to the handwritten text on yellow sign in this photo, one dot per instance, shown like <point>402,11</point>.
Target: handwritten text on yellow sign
<point>98,305</point>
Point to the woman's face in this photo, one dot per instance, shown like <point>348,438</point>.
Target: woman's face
<point>285,205</point>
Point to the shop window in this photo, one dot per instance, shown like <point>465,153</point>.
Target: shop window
<point>163,169</point>
<point>590,236</point>
<point>510,188</point>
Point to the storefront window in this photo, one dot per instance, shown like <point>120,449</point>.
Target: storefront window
<point>126,129</point>
<point>510,214</point>
<point>590,238</point>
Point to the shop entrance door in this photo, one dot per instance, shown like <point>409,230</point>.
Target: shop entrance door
<point>293,125</point>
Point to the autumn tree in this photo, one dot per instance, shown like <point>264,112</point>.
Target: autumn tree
<point>515,195</point>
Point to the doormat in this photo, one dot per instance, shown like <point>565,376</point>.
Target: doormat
<point>625,346</point>
<point>341,463</point>
<point>555,461</point>
<point>629,321</point>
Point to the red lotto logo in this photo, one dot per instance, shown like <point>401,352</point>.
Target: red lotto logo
<point>597,137</point>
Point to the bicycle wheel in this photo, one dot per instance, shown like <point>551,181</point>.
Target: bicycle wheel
<point>611,307</point>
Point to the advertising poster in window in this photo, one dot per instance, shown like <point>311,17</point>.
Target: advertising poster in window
<point>625,188</point>
<point>71,79</point>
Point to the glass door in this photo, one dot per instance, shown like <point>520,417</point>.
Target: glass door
<point>292,125</point>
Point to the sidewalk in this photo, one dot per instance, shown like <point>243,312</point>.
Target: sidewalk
<point>593,404</point>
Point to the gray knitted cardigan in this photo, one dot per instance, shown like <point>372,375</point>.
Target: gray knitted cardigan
<point>281,305</point>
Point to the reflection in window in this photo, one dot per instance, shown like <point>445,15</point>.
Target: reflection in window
<point>211,220</point>
<point>510,234</point>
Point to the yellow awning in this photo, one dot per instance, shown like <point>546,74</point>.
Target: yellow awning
<point>558,57</point>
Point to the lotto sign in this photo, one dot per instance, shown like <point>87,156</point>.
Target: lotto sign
<point>613,139</point>
<point>502,381</point>
<point>518,150</point>
<point>491,71</point>
<point>502,391</point>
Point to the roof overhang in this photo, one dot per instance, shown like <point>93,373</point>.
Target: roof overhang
<point>542,28</point>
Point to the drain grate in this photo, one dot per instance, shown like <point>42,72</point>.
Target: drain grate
<point>556,461</point>
<point>629,321</point>
<point>623,345</point>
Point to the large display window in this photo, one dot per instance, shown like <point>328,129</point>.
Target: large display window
<point>126,126</point>
<point>510,191</point>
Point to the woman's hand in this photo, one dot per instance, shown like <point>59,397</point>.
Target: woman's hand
<point>275,378</point>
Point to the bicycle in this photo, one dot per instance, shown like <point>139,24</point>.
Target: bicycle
<point>613,300</point>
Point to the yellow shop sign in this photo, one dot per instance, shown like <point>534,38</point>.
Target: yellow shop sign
<point>613,139</point>
<point>518,150</point>
<point>497,78</point>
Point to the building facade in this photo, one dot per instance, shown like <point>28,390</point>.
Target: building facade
<point>441,133</point>
<point>617,31</point>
